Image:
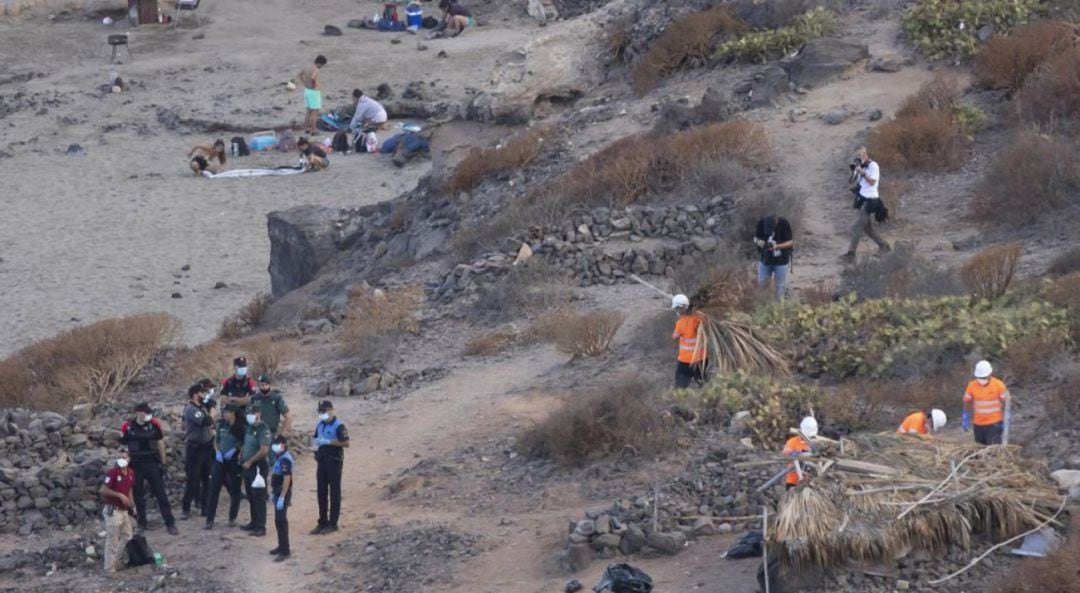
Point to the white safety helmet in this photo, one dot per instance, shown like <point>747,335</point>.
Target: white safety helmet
<point>937,419</point>
<point>680,301</point>
<point>983,369</point>
<point>808,427</point>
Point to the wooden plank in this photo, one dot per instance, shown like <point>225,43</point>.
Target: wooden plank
<point>863,467</point>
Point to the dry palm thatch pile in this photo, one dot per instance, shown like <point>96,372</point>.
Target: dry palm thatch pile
<point>937,495</point>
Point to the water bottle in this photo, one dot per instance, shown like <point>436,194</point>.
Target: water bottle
<point>158,559</point>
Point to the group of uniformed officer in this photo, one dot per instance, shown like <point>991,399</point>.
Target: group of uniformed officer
<point>245,449</point>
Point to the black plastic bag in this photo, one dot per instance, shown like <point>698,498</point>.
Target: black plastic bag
<point>748,546</point>
<point>623,578</point>
<point>139,551</point>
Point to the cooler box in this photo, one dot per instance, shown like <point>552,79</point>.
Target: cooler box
<point>414,16</point>
<point>263,140</point>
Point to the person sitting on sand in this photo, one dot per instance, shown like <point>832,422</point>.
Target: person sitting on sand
<point>314,156</point>
<point>204,154</point>
<point>370,115</point>
<point>455,17</point>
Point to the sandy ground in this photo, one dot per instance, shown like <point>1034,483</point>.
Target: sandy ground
<point>106,234</point>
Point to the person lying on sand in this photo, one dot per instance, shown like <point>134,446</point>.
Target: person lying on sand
<point>313,155</point>
<point>204,154</point>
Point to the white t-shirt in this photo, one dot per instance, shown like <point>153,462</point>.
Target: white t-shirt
<point>865,189</point>
<point>368,109</point>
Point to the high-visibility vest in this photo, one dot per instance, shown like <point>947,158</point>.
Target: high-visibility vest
<point>795,444</point>
<point>690,350</point>
<point>987,401</point>
<point>914,424</point>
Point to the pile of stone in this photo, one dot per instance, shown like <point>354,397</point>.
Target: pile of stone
<point>605,246</point>
<point>71,553</point>
<point>365,382</point>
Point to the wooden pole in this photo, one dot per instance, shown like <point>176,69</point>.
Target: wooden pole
<point>765,543</point>
<point>656,507</point>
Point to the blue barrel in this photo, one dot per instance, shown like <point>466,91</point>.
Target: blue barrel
<point>414,16</point>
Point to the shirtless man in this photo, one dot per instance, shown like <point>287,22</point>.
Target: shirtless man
<point>309,78</point>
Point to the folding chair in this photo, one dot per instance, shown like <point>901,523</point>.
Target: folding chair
<point>116,41</point>
<point>191,6</point>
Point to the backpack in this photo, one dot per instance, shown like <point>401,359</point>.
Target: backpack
<point>429,22</point>
<point>390,13</point>
<point>139,551</point>
<point>239,146</point>
<point>341,142</point>
<point>623,578</point>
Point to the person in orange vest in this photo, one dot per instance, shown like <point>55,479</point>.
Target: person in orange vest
<point>923,422</point>
<point>693,357</point>
<point>986,404</point>
<point>797,445</point>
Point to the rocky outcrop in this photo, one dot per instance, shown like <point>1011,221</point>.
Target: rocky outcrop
<point>301,241</point>
<point>822,60</point>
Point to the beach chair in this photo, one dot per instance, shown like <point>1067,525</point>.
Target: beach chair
<point>191,6</point>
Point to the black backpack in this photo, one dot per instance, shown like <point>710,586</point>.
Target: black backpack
<point>139,551</point>
<point>239,146</point>
<point>341,142</point>
<point>623,578</point>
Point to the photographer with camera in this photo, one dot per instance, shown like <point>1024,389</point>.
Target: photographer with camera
<point>775,241</point>
<point>866,179</point>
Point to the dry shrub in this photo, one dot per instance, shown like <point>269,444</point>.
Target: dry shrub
<point>928,141</point>
<point>1030,359</point>
<point>860,405</point>
<point>822,292</point>
<point>988,273</point>
<point>1051,97</point>
<point>493,342</point>
<point>512,155</point>
<point>1030,178</point>
<point>892,193</point>
<point>937,94</point>
<point>375,318</point>
<point>652,337</point>
<point>719,288</point>
<point>899,274</point>
<point>266,354</point>
<point>89,363</point>
<point>529,288</point>
<point>247,318</point>
<point>1008,60</point>
<point>1065,292</point>
<point>685,40</point>
<point>1066,263</point>
<point>580,335</point>
<point>399,217</point>
<point>617,418</point>
<point>1058,572</point>
<point>617,35</point>
<point>1062,406</point>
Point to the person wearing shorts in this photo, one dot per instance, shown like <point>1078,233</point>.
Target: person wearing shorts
<point>202,155</point>
<point>309,78</point>
<point>314,157</point>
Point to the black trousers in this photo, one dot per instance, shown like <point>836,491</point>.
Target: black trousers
<point>257,496</point>
<point>229,475</point>
<point>149,472</point>
<point>989,434</point>
<point>197,458</point>
<point>281,521</point>
<point>685,373</point>
<point>328,490</point>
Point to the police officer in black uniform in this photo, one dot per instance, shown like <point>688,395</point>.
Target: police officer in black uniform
<point>238,389</point>
<point>198,450</point>
<point>331,439</point>
<point>145,439</point>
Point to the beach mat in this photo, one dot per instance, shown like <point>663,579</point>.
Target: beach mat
<point>239,173</point>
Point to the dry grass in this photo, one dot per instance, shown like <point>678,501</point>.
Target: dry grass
<point>529,288</point>
<point>581,335</point>
<point>1065,292</point>
<point>1034,358</point>
<point>247,319</point>
<point>493,342</point>
<point>511,155</point>
<point>719,288</point>
<point>1057,573</point>
<point>686,40</point>
<point>618,418</point>
<point>1051,97</point>
<point>925,134</point>
<point>375,319</point>
<point>988,273</point>
<point>1062,406</point>
<point>899,274</point>
<point>266,354</point>
<point>1008,60</point>
<point>617,35</point>
<point>1028,180</point>
<point>91,363</point>
<point>821,292</point>
<point>937,94</point>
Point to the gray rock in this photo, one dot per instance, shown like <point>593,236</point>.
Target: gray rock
<point>577,538</point>
<point>578,557</point>
<point>671,542</point>
<point>739,422</point>
<point>887,63</point>
<point>836,116</point>
<point>586,527</point>
<point>768,86</point>
<point>356,24</point>
<point>1066,479</point>
<point>824,59</point>
<point>705,244</point>
<point>370,384</point>
<point>633,540</point>
<point>24,502</point>
<point>703,526</point>
<point>985,33</point>
<point>82,413</point>
<point>428,242</point>
<point>20,418</point>
<point>874,115</point>
<point>1073,462</point>
<point>301,242</point>
<point>42,502</point>
<point>606,540</point>
<point>603,524</point>
<point>331,31</point>
<point>53,421</point>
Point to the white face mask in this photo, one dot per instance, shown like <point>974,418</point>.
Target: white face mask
<point>324,416</point>
<point>121,463</point>
<point>983,381</point>
<point>241,371</point>
<point>276,448</point>
<point>146,418</point>
<point>251,418</point>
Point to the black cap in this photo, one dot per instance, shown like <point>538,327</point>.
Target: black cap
<point>142,407</point>
<point>264,378</point>
<point>325,405</point>
<point>239,361</point>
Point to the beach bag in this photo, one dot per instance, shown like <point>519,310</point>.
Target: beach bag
<point>239,146</point>
<point>259,482</point>
<point>623,578</point>
<point>341,142</point>
<point>371,142</point>
<point>429,22</point>
<point>390,13</point>
<point>139,552</point>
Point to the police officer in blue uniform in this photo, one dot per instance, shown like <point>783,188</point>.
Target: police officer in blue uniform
<point>281,480</point>
<point>331,439</point>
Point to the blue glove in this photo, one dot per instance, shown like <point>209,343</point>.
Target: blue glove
<point>966,421</point>
<point>280,505</point>
<point>321,442</point>
<point>218,457</point>
<point>230,453</point>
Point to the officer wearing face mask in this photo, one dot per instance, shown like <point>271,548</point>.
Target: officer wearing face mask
<point>331,439</point>
<point>238,389</point>
<point>145,440</point>
<point>116,493</point>
<point>281,488</point>
<point>987,402</point>
<point>275,412</point>
<point>198,425</point>
<point>253,455</point>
